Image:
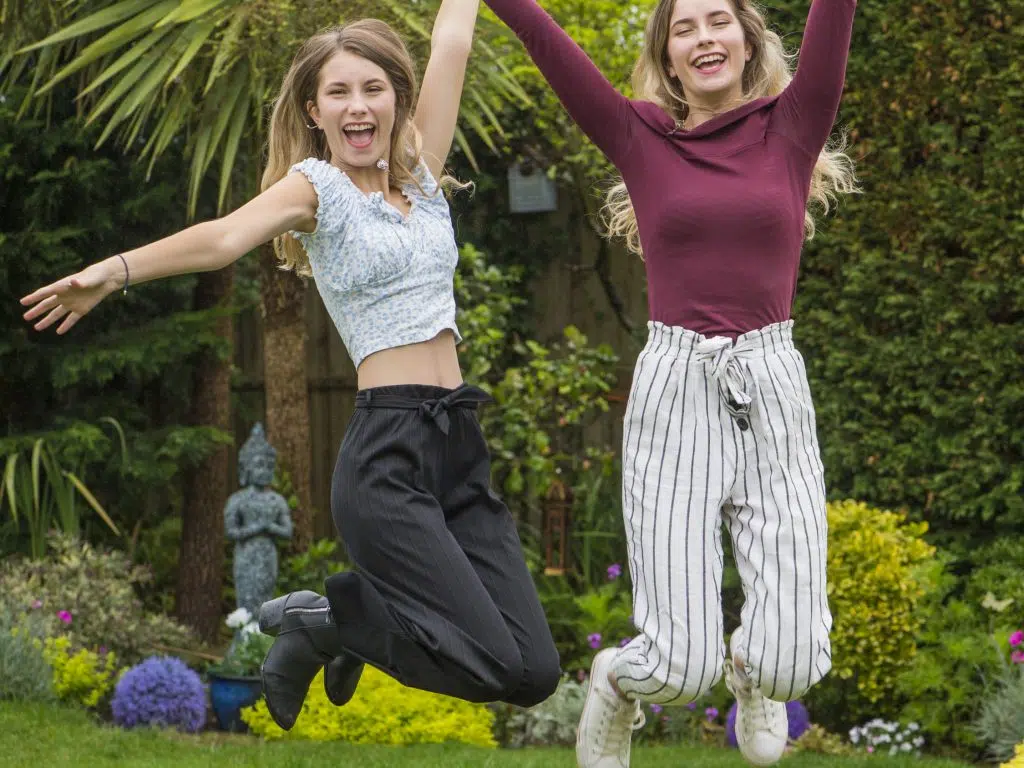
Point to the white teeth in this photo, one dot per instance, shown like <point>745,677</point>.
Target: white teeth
<point>359,127</point>
<point>711,58</point>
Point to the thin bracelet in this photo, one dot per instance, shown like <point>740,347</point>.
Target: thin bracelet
<point>124,291</point>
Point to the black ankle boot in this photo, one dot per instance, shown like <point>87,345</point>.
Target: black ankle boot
<point>341,676</point>
<point>307,639</point>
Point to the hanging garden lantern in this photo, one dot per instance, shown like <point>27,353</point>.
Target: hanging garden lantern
<point>557,507</point>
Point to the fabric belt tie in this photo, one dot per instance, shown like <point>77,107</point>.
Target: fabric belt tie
<point>728,371</point>
<point>436,409</point>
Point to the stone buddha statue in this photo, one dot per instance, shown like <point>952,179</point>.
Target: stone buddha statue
<point>253,517</point>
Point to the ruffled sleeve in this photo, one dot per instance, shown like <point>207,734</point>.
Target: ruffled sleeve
<point>334,195</point>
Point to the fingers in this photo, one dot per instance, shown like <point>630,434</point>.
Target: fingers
<point>53,289</point>
<point>69,323</point>
<point>55,314</point>
<point>43,306</point>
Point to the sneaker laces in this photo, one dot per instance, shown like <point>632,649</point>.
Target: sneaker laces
<point>757,714</point>
<point>616,727</point>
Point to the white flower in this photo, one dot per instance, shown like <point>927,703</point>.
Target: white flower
<point>919,742</point>
<point>913,727</point>
<point>238,618</point>
<point>251,628</point>
<point>905,747</point>
<point>854,735</point>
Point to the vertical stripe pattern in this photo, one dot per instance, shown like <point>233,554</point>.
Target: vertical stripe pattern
<point>721,430</point>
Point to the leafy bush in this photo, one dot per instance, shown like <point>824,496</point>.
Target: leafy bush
<point>95,592</point>
<point>24,673</point>
<point>1000,724</point>
<point>82,677</point>
<point>544,394</point>
<point>1017,761</point>
<point>879,570</point>
<point>383,711</point>
<point>307,570</point>
<point>943,686</point>
<point>161,691</point>
<point>819,741</point>
<point>551,723</point>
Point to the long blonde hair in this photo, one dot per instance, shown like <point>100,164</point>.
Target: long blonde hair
<point>766,74</point>
<point>292,141</point>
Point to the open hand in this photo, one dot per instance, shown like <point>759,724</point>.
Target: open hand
<point>70,298</point>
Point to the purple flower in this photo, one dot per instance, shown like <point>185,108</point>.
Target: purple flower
<point>799,722</point>
<point>614,571</point>
<point>656,708</point>
<point>594,640</point>
<point>710,713</point>
<point>160,691</point>
<point>624,642</point>
<point>1017,638</point>
<point>64,616</point>
<point>692,706</point>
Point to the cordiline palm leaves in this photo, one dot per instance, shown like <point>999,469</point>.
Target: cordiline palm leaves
<point>204,71</point>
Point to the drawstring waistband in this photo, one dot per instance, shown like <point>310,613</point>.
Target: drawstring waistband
<point>728,371</point>
<point>728,358</point>
<point>417,398</point>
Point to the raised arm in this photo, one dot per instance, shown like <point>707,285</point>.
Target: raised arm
<point>290,204</point>
<point>598,108</point>
<point>438,107</point>
<point>807,108</point>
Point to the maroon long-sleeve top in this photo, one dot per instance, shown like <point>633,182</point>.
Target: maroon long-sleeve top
<point>720,208</point>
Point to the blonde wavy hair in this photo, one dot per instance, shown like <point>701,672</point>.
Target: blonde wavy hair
<point>291,140</point>
<point>766,74</point>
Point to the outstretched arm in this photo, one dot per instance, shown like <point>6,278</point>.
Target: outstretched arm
<point>597,107</point>
<point>807,108</point>
<point>438,107</point>
<point>289,204</point>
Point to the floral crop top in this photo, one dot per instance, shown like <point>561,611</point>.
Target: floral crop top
<point>387,279</point>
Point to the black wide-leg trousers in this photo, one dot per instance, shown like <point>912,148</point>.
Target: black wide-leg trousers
<point>441,598</point>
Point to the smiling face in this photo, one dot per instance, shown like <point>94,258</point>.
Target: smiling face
<point>355,108</point>
<point>707,51</point>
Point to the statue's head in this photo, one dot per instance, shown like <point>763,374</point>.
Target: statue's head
<point>256,460</point>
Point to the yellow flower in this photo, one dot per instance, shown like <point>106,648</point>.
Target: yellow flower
<point>383,711</point>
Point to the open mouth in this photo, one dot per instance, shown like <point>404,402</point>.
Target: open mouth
<point>709,63</point>
<point>359,135</point>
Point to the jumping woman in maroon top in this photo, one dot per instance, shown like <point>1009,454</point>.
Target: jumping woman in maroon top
<point>720,155</point>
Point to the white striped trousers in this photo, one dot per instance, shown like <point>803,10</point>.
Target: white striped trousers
<point>715,431</point>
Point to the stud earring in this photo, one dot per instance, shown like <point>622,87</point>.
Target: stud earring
<point>383,164</point>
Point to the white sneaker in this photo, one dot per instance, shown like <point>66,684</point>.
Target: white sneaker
<point>762,727</point>
<point>608,721</point>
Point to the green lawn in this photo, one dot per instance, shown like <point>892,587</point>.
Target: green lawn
<point>43,737</point>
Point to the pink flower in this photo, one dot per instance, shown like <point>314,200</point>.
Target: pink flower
<point>871,749</point>
<point>37,604</point>
<point>1017,657</point>
<point>64,616</point>
<point>1017,638</point>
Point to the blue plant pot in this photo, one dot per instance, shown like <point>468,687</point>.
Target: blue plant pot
<point>229,695</point>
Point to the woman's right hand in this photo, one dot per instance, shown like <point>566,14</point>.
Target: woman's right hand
<point>71,297</point>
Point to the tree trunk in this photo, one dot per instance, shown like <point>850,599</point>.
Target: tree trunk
<point>201,566</point>
<point>285,384</point>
